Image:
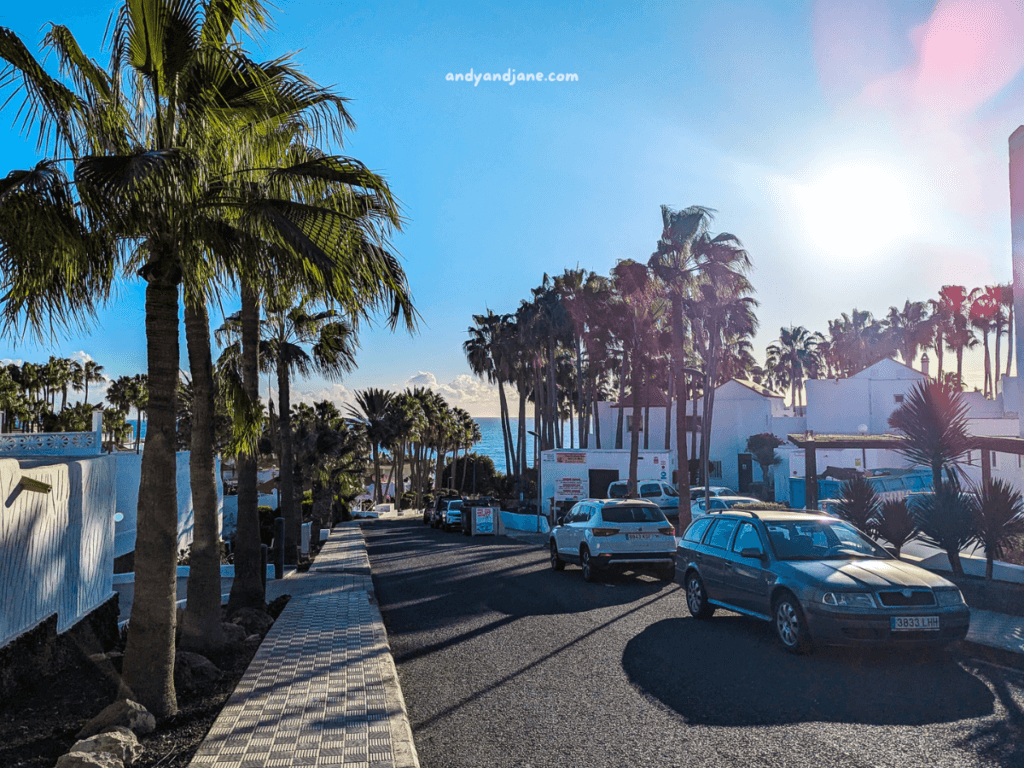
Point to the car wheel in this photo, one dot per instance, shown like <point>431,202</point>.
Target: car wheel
<point>790,625</point>
<point>697,598</point>
<point>557,563</point>
<point>589,571</point>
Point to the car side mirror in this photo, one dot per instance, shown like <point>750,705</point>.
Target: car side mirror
<point>753,552</point>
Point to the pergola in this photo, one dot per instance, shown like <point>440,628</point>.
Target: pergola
<point>811,442</point>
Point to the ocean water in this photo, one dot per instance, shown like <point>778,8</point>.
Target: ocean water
<point>491,443</point>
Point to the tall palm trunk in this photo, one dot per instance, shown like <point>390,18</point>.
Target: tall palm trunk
<point>148,676</point>
<point>202,626</point>
<point>1009,342</point>
<point>989,385</point>
<point>668,409</point>
<point>622,400</point>
<point>597,414</point>
<point>247,588</point>
<point>709,407</point>
<point>996,369</point>
<point>506,427</point>
<point>634,437</point>
<point>290,511</point>
<point>582,410</point>
<point>553,396</point>
<point>522,431</point>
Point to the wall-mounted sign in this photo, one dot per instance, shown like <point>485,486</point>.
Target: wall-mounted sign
<point>571,458</point>
<point>569,488</point>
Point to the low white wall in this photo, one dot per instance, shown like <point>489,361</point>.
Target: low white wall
<point>514,521</point>
<point>56,548</point>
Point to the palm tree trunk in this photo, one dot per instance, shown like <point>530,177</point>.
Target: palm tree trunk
<point>148,676</point>
<point>622,400</point>
<point>709,405</point>
<point>668,409</point>
<point>247,588</point>
<point>682,459</point>
<point>1009,342</point>
<point>960,368</point>
<point>202,627</point>
<point>634,440</point>
<point>582,409</point>
<point>522,431</point>
<point>996,369</point>
<point>989,386</point>
<point>506,432</point>
<point>378,493</point>
<point>597,413</point>
<point>290,511</point>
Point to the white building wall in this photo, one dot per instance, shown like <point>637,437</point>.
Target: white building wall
<point>56,548</point>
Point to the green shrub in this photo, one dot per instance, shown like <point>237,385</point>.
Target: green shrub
<point>753,506</point>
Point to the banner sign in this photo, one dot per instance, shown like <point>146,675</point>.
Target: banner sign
<point>484,519</point>
<point>569,488</point>
<point>571,458</point>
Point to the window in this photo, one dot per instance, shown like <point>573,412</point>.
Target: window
<point>617,491</point>
<point>898,399</point>
<point>720,536</point>
<point>715,469</point>
<point>747,538</point>
<point>696,531</point>
<point>650,491</point>
<point>637,514</point>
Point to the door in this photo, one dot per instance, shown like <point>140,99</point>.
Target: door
<point>716,552</point>
<point>745,467</point>
<point>746,579</point>
<point>600,479</point>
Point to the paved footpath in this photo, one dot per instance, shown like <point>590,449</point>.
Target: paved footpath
<point>322,688</point>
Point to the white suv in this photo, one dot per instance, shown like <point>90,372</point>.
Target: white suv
<point>629,534</point>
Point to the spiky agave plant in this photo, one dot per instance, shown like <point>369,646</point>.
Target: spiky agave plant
<point>998,520</point>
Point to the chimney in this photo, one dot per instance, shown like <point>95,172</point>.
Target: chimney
<point>924,363</point>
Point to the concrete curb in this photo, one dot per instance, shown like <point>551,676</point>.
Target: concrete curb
<point>404,747</point>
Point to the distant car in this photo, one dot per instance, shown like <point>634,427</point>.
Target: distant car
<point>718,503</point>
<point>697,495</point>
<point>627,534</point>
<point>816,579</point>
<point>450,518</point>
<point>432,513</point>
<point>658,491</point>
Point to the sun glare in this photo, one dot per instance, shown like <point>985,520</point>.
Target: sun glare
<point>857,210</point>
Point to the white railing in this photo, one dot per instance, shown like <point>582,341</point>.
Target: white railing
<point>56,545</point>
<point>55,443</point>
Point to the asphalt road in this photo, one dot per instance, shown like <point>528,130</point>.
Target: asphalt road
<point>504,662</point>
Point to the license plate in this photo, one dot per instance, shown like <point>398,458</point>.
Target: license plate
<point>638,536</point>
<point>909,623</point>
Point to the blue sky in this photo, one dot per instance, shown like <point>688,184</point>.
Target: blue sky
<point>858,151</point>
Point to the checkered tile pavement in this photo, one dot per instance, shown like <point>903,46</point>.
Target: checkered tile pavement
<point>315,694</point>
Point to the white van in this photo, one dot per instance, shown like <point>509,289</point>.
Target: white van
<point>658,491</point>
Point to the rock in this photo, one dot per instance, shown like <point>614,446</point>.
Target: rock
<point>89,760</point>
<point>118,741</point>
<point>277,605</point>
<point>124,712</point>
<point>234,634</point>
<point>254,621</point>
<point>193,671</point>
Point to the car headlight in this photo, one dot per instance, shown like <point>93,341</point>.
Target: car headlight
<point>948,597</point>
<point>848,599</point>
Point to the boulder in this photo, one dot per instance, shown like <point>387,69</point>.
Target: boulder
<point>254,621</point>
<point>89,760</point>
<point>233,634</point>
<point>117,741</point>
<point>277,605</point>
<point>124,712</point>
<point>193,671</point>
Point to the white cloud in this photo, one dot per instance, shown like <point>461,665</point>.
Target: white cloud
<point>473,394</point>
<point>82,357</point>
<point>11,361</point>
<point>338,394</point>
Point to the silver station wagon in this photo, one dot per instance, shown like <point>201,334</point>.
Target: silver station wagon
<point>816,579</point>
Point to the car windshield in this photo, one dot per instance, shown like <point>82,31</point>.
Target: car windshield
<point>820,540</point>
<point>669,490</point>
<point>617,491</point>
<point>637,514</point>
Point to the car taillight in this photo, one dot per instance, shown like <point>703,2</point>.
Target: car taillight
<point>605,531</point>
<point>669,531</point>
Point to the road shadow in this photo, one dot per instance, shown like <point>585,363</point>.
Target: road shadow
<point>425,579</point>
<point>729,671</point>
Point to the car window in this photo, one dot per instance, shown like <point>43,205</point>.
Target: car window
<point>617,491</point>
<point>696,531</point>
<point>717,504</point>
<point>719,537</point>
<point>637,514</point>
<point>747,538</point>
<point>579,514</point>
<point>820,540</point>
<point>650,490</point>
<point>668,490</point>
<point>455,504</point>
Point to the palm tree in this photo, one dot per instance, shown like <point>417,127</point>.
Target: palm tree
<point>138,398</point>
<point>982,315</point>
<point>999,520</point>
<point>92,373</point>
<point>895,523</point>
<point>795,357</point>
<point>288,331</point>
<point>946,519</point>
<point>372,408</point>
<point>933,422</point>
<point>859,504</point>
<point>956,302</point>
<point>762,447</point>
<point>487,358</point>
<point>912,328</point>
<point>145,185</point>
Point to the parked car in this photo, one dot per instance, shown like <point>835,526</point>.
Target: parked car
<point>626,534</point>
<point>718,503</point>
<point>449,516</point>
<point>431,511</point>
<point>816,579</point>
<point>657,491</point>
<point>697,495</point>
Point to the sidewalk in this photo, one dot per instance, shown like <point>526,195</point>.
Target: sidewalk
<point>322,689</point>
